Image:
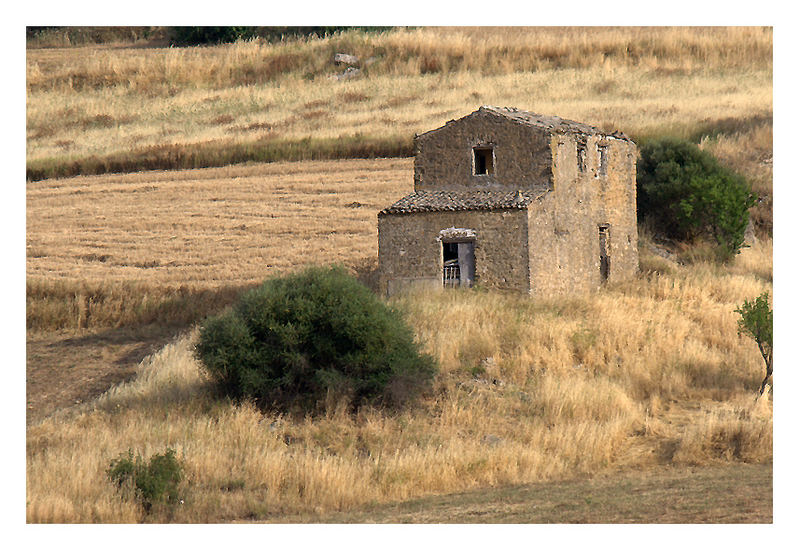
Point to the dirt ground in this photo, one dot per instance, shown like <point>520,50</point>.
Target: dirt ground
<point>64,369</point>
<point>731,493</point>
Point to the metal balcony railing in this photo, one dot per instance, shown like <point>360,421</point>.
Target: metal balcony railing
<point>451,276</point>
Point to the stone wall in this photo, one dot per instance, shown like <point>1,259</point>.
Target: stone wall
<point>551,248</point>
<point>444,157</point>
<point>564,225</point>
<point>410,253</point>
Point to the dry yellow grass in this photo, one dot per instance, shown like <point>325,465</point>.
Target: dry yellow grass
<point>116,250</point>
<point>552,389</point>
<point>529,389</point>
<point>100,102</point>
<point>573,385</point>
<point>209,227</point>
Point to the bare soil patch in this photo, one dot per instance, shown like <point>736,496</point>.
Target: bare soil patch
<point>733,493</point>
<point>65,369</point>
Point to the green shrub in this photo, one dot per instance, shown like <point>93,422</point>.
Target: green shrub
<point>686,194</point>
<point>297,340</point>
<point>152,482</point>
<point>195,36</point>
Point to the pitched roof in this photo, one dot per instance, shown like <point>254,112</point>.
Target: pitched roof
<point>441,201</point>
<point>550,123</point>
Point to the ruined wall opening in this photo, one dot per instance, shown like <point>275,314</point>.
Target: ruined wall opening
<point>483,160</point>
<point>604,235</point>
<point>581,150</point>
<point>602,168</point>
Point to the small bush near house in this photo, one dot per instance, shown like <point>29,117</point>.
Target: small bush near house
<point>152,482</point>
<point>301,340</point>
<point>687,194</point>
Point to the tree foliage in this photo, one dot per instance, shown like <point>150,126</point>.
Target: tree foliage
<point>686,193</point>
<point>756,321</point>
<point>295,339</point>
<point>197,36</point>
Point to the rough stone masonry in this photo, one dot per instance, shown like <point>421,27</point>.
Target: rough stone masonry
<point>510,199</point>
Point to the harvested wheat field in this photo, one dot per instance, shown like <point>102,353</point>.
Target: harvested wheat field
<point>211,227</point>
<point>117,265</point>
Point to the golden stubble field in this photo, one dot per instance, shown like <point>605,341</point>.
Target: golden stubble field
<point>117,265</point>
<point>210,227</point>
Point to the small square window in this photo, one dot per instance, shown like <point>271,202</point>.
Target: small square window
<point>483,160</point>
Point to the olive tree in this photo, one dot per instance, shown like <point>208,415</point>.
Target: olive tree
<point>756,321</point>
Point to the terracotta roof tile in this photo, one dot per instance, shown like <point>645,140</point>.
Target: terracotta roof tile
<point>441,201</point>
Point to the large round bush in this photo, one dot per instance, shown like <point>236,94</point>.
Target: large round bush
<point>686,194</point>
<point>297,338</point>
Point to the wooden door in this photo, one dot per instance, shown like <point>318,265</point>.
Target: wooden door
<point>466,262</point>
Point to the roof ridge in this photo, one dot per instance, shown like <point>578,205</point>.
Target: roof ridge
<point>550,122</point>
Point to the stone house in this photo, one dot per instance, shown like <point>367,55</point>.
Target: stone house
<point>509,199</point>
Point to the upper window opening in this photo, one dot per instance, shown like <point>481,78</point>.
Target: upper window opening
<point>603,164</point>
<point>581,157</point>
<point>483,161</point>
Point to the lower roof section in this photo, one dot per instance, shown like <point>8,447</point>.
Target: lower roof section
<point>448,201</point>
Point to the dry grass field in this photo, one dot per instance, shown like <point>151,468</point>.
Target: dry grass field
<point>636,378</point>
<point>212,227</point>
<point>95,109</point>
<point>116,265</point>
<point>640,374</point>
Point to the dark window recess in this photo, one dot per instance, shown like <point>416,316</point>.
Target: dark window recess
<point>581,157</point>
<point>605,259</point>
<point>484,160</point>
<point>603,165</point>
<point>459,264</point>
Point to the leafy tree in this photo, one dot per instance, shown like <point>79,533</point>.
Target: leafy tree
<point>295,339</point>
<point>688,194</point>
<point>756,321</point>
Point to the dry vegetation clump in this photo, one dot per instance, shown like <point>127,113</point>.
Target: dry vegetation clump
<point>740,430</point>
<point>94,110</point>
<point>529,390</point>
